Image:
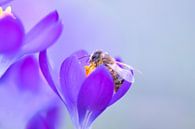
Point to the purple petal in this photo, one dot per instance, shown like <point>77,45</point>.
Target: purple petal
<point>2,2</point>
<point>43,35</point>
<point>52,116</point>
<point>37,122</point>
<point>82,56</point>
<point>72,75</point>
<point>119,59</point>
<point>47,72</point>
<point>121,92</point>
<point>95,95</point>
<point>6,61</point>
<point>46,119</point>
<point>11,34</point>
<point>28,77</point>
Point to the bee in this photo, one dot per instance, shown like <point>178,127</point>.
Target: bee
<point>120,72</point>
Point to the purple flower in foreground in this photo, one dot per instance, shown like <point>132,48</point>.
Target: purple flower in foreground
<point>14,43</point>
<point>85,96</point>
<point>45,119</point>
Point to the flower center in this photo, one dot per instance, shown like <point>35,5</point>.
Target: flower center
<point>11,32</point>
<point>7,11</point>
<point>89,69</point>
<point>118,80</point>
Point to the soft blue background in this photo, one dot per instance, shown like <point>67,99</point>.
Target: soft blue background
<point>157,37</point>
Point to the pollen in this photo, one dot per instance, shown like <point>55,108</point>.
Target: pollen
<point>89,69</point>
<point>7,11</point>
<point>1,11</point>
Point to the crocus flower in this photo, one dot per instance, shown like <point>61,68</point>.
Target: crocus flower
<point>45,119</point>
<point>85,96</point>
<point>24,87</point>
<point>15,43</point>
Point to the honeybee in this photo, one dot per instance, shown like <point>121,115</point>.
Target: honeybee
<point>120,72</point>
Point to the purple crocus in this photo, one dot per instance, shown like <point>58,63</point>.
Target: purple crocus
<point>15,43</point>
<point>85,96</point>
<point>45,119</point>
<point>23,92</point>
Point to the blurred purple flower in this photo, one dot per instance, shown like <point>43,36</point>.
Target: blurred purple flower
<point>25,74</point>
<point>28,77</point>
<point>14,43</point>
<point>23,86</point>
<point>85,97</point>
<point>45,119</point>
<point>2,2</point>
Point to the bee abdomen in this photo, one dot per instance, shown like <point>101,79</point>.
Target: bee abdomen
<point>118,81</point>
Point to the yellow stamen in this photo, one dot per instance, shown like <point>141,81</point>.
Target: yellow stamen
<point>1,11</point>
<point>7,11</point>
<point>89,69</point>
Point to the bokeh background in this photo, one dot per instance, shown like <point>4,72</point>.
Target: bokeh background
<point>157,37</point>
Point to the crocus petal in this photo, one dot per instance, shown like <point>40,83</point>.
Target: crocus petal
<point>2,2</point>
<point>80,53</point>
<point>6,61</point>
<point>94,96</point>
<point>121,92</point>
<point>47,72</point>
<point>28,77</point>
<point>72,75</point>
<point>44,34</point>
<point>46,119</point>
<point>37,122</point>
<point>11,34</point>
<point>52,116</point>
<point>119,59</point>
<point>82,56</point>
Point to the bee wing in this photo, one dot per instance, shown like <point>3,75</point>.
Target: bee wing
<point>125,65</point>
<point>128,67</point>
<point>124,73</point>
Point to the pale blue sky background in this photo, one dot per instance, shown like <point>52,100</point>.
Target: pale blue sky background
<point>155,36</point>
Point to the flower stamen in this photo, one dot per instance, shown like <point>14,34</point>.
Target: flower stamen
<point>7,11</point>
<point>89,69</point>
<point>1,11</point>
